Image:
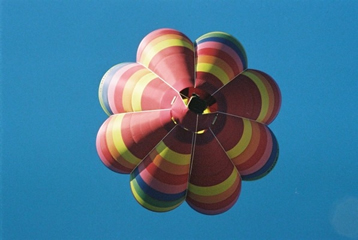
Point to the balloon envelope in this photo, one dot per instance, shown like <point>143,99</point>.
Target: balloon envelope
<point>188,121</point>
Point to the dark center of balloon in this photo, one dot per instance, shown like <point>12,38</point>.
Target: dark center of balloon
<point>197,100</point>
<point>196,104</point>
<point>195,112</point>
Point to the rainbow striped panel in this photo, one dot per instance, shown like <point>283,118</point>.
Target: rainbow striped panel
<point>215,183</point>
<point>251,145</point>
<point>130,87</point>
<point>125,139</point>
<point>219,58</point>
<point>170,55</point>
<point>160,181</point>
<point>252,94</point>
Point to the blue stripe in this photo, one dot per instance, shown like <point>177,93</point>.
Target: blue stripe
<point>229,43</point>
<point>154,193</point>
<point>109,75</point>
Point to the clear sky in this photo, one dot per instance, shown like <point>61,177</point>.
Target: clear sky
<point>54,53</point>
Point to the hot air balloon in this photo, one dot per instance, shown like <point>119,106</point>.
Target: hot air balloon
<point>188,121</point>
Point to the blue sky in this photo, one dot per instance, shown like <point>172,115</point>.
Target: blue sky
<point>54,53</point>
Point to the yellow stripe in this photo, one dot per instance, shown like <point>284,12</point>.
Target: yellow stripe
<point>264,95</point>
<point>244,141</point>
<point>150,51</point>
<point>213,69</point>
<point>139,89</point>
<point>217,62</point>
<point>109,138</point>
<point>161,38</point>
<point>129,86</point>
<point>172,156</point>
<point>215,189</point>
<point>119,143</point>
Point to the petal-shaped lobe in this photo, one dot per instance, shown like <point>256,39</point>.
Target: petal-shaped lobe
<point>251,145</point>
<point>219,58</point>
<point>132,87</point>
<point>215,183</point>
<point>252,94</point>
<point>125,139</point>
<point>169,54</point>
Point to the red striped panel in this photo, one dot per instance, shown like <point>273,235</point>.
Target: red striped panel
<point>135,88</point>
<point>135,133</point>
<point>214,181</point>
<point>170,55</point>
<point>249,144</point>
<point>257,99</point>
